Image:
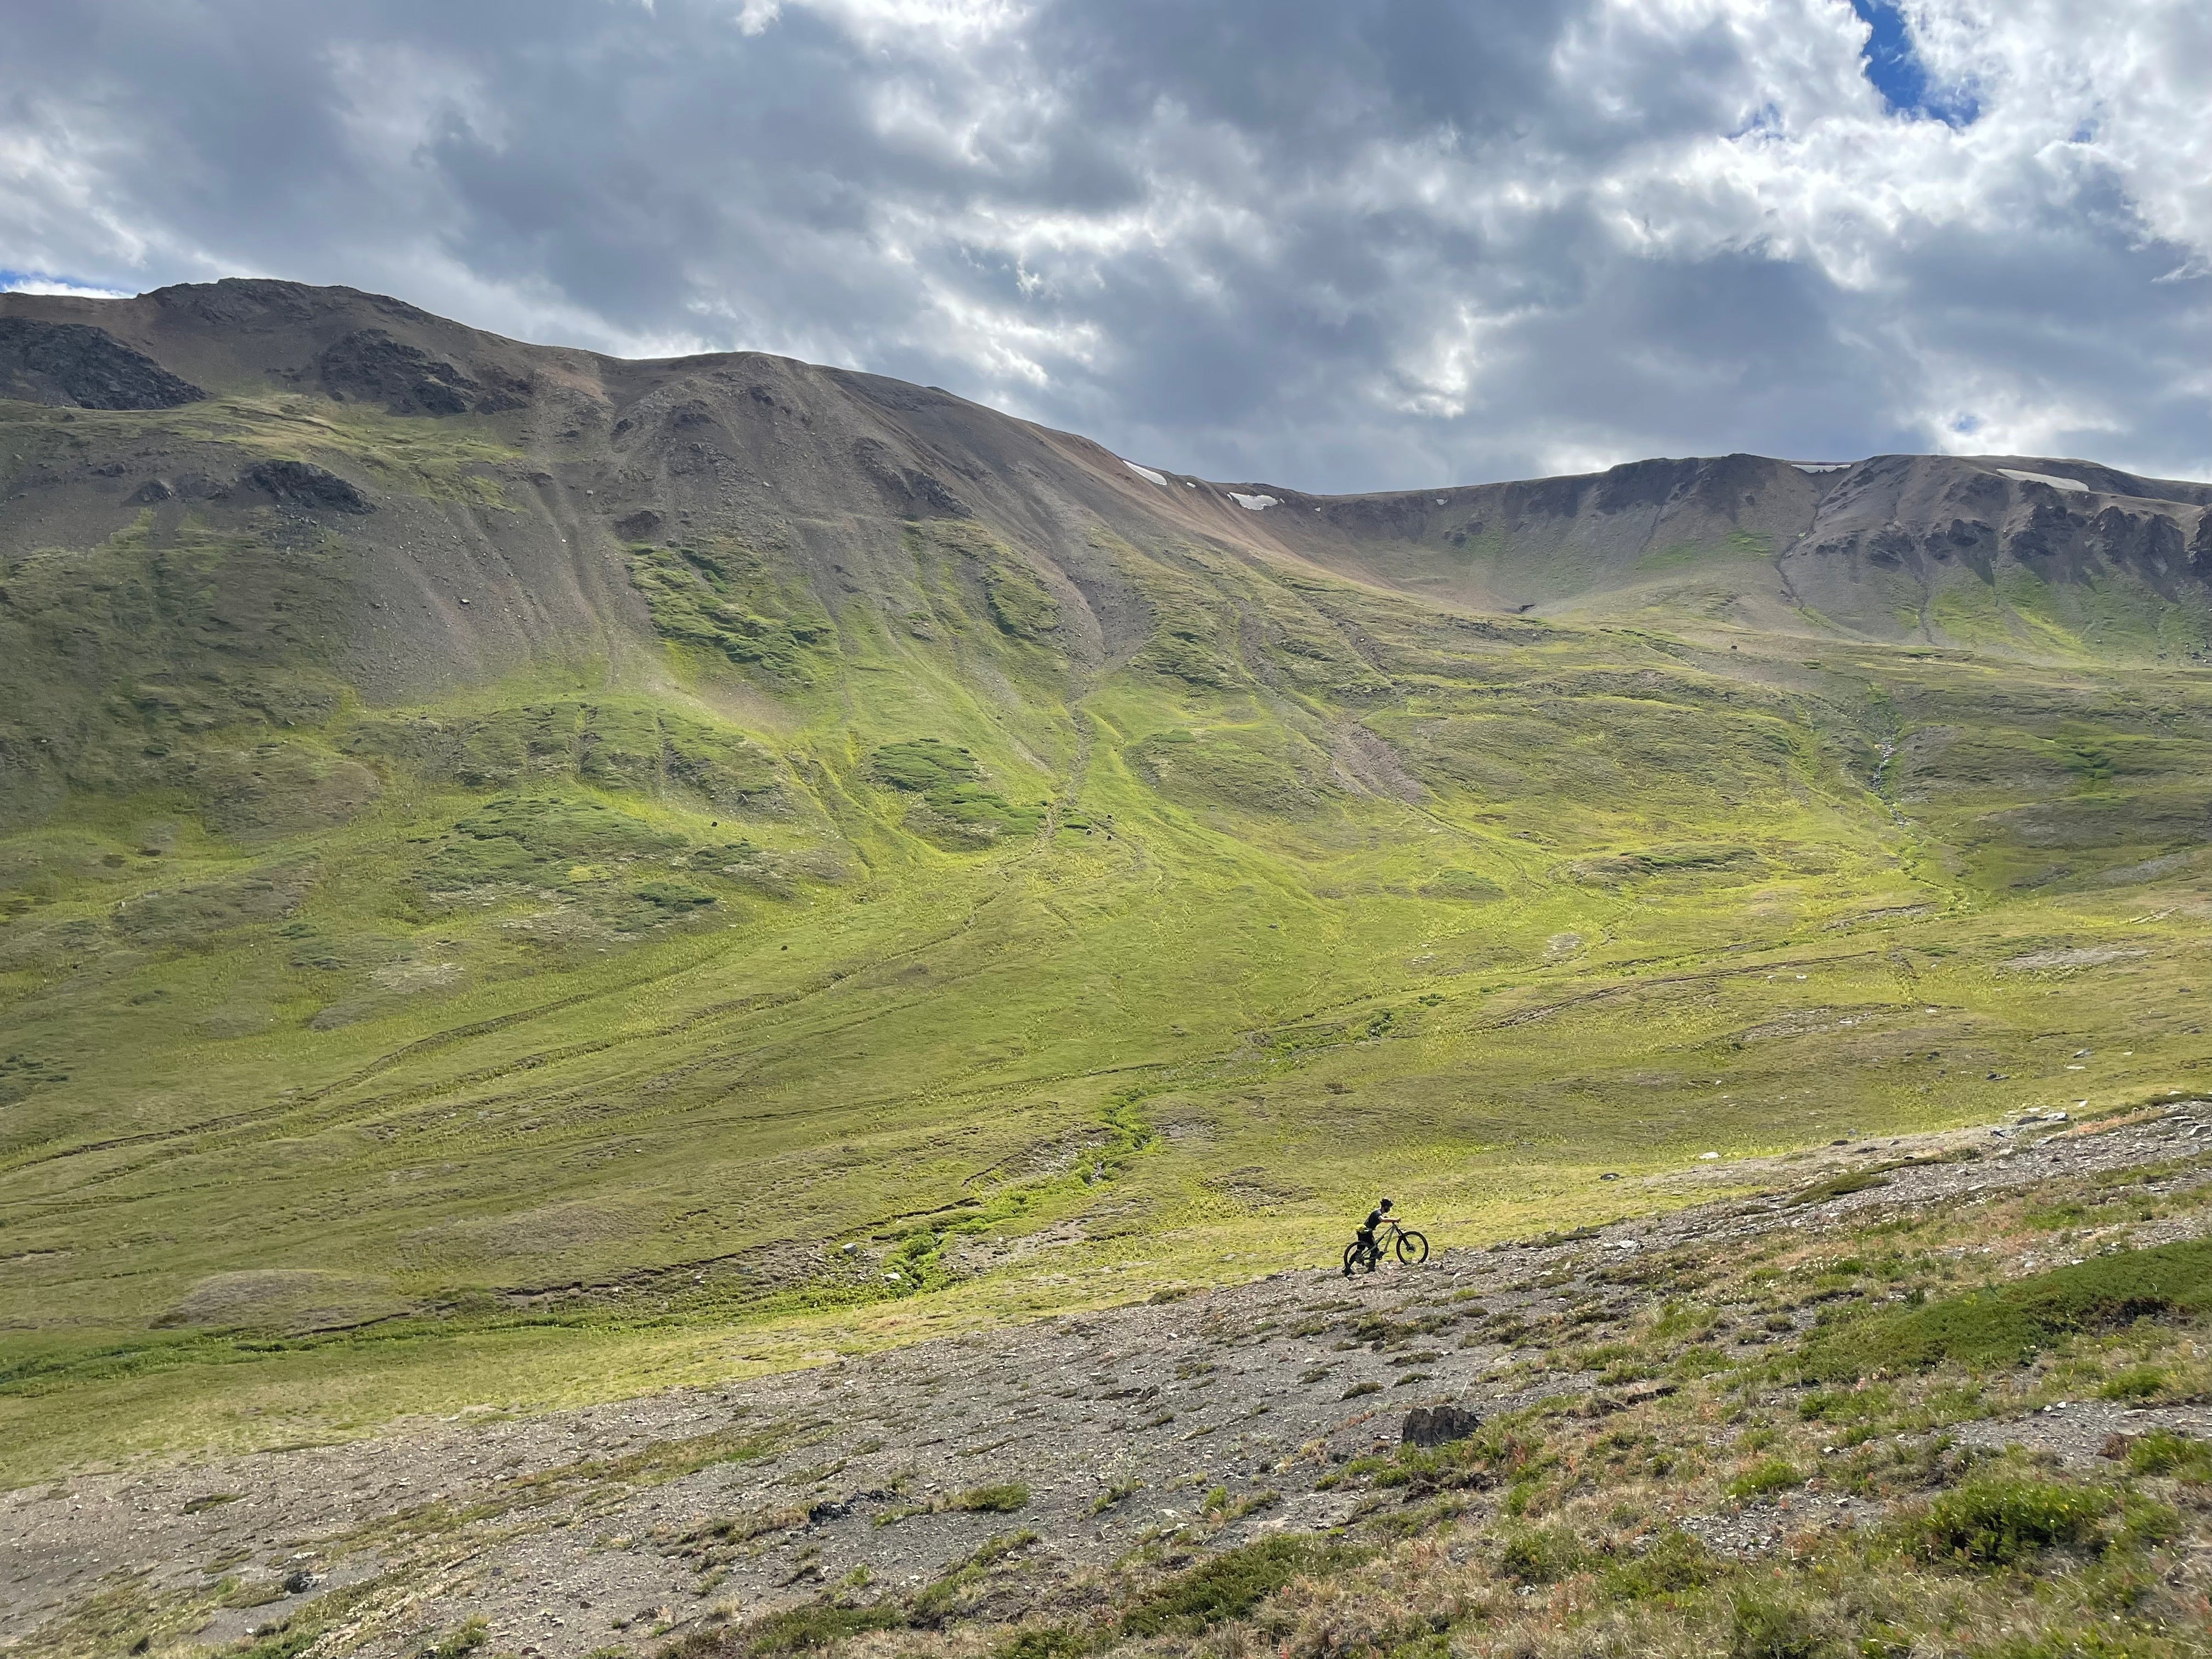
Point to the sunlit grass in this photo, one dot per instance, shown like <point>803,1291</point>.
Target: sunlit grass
<point>1473,915</point>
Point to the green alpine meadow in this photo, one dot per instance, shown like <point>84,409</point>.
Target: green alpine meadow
<point>527,878</point>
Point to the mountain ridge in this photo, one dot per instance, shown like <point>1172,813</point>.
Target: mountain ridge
<point>1851,548</point>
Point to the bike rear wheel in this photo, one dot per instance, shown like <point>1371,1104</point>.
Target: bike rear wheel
<point>1412,1249</point>
<point>1351,1255</point>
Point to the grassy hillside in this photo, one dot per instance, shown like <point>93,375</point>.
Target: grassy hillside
<point>828,934</point>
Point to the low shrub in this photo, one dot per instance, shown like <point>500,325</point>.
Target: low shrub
<point>1494,1454</point>
<point>2083,1642</point>
<point>1046,1641</point>
<point>2135,1382</point>
<point>1674,1562</point>
<point>991,1500</point>
<point>1769,1474</point>
<point>1851,1181</point>
<point>2163,1452</point>
<point>2001,1517</point>
<point>810,1628</point>
<point>931,1605</point>
<point>459,1642</point>
<point>1229,1586</point>
<point>2144,1523</point>
<point>1542,1555</point>
<point>1762,1627</point>
<point>1859,1404</point>
<point>2007,1324</point>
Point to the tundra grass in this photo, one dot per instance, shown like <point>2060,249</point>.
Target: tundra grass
<point>472,1090</point>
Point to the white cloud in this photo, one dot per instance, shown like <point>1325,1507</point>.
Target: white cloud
<point>1342,243</point>
<point>10,284</point>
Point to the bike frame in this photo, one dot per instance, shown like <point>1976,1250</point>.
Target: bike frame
<point>1386,1241</point>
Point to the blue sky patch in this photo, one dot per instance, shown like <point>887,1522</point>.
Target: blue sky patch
<point>1893,68</point>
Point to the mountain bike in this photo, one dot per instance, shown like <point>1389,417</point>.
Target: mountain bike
<point>1410,1246</point>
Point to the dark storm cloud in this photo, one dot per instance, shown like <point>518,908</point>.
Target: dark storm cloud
<point>1344,244</point>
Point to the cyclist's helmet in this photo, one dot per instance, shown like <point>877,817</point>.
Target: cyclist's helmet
<point>1384,1205</point>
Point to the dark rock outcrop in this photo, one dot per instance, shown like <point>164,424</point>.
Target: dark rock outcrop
<point>372,366</point>
<point>300,484</point>
<point>74,365</point>
<point>198,487</point>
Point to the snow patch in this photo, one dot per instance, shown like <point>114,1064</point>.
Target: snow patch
<point>1147,474</point>
<point>1819,467</point>
<point>1254,504</point>
<point>2045,478</point>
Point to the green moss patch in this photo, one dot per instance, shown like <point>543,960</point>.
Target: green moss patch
<point>728,598</point>
<point>1228,1587</point>
<point>2001,1517</point>
<point>956,809</point>
<point>1255,771</point>
<point>806,1629</point>
<point>1015,597</point>
<point>612,743</point>
<point>2007,1324</point>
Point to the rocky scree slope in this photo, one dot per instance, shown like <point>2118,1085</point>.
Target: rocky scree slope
<point>1663,1397</point>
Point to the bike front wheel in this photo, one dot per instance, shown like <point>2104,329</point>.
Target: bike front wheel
<point>1412,1249</point>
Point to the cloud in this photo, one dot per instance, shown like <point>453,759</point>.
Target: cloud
<point>1336,244</point>
<point>24,281</point>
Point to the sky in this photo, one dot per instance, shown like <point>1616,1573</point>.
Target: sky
<point>1339,245</point>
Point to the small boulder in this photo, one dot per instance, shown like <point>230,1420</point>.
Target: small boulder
<point>1437,1425</point>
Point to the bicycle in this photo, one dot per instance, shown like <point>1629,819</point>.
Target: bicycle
<point>1410,1248</point>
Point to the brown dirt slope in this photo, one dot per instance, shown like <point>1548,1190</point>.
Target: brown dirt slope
<point>560,457</point>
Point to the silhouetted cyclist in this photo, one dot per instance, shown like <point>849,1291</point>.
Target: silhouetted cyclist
<point>1382,1231</point>
<point>1363,1247</point>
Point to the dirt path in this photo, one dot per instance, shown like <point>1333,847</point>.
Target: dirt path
<point>575,1531</point>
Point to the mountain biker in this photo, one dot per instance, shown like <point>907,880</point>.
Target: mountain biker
<point>1364,1244</point>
